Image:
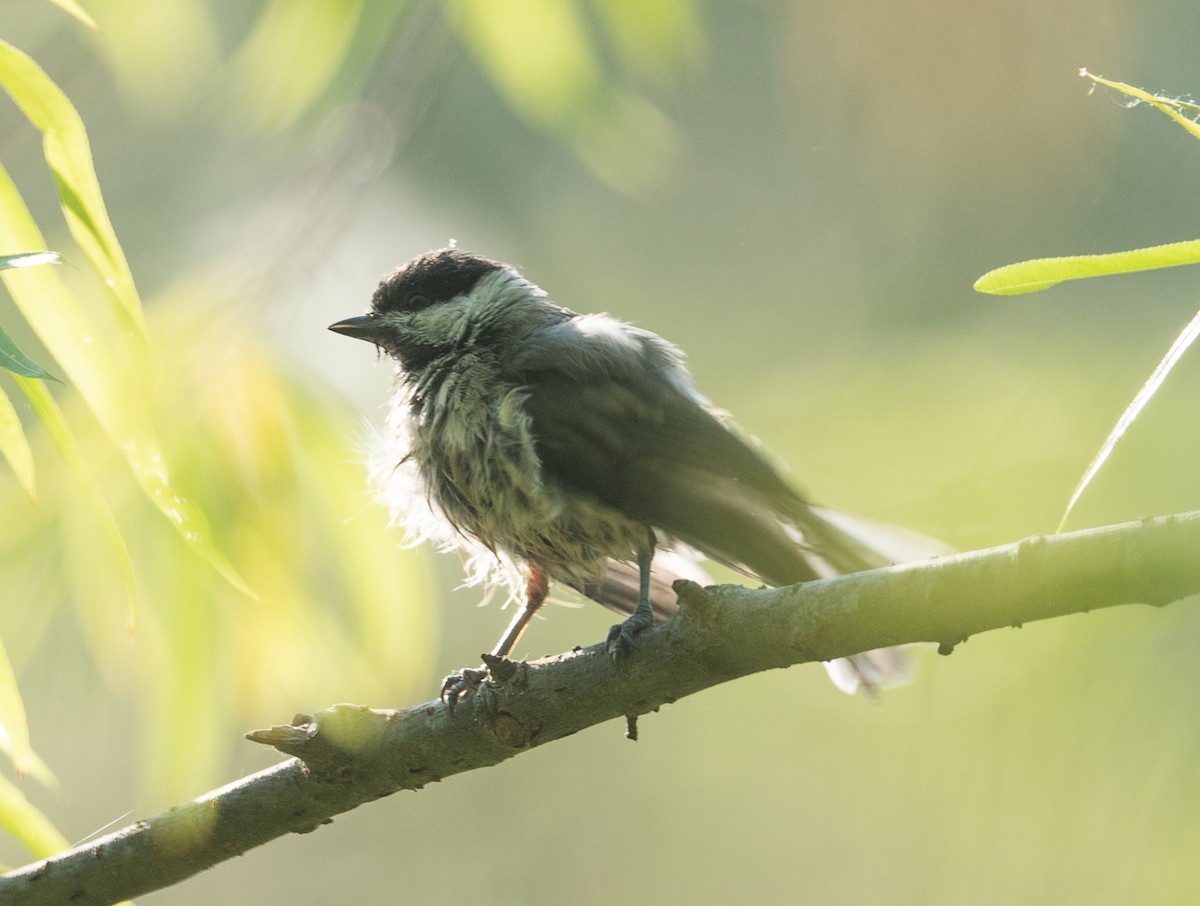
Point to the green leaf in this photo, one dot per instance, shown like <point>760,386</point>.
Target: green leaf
<point>1042,273</point>
<point>14,729</point>
<point>74,9</point>
<point>320,34</point>
<point>1134,409</point>
<point>1170,106</point>
<point>27,824</point>
<point>65,144</point>
<point>15,446</point>
<point>660,39</point>
<point>109,375</point>
<point>539,54</point>
<point>544,61</point>
<point>17,362</point>
<point>29,259</point>
<point>68,447</point>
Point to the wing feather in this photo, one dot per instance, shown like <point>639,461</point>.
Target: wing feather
<point>614,418</point>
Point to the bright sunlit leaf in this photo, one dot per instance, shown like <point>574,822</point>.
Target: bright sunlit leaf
<point>107,373</point>
<point>1042,273</point>
<point>64,441</point>
<point>1172,107</point>
<point>544,60</point>
<point>14,730</point>
<point>538,53</point>
<point>165,55</point>
<point>14,445</point>
<point>26,824</point>
<point>74,9</point>
<point>1134,409</point>
<point>317,33</point>
<point>29,259</point>
<point>69,156</point>
<point>660,39</point>
<point>103,370</point>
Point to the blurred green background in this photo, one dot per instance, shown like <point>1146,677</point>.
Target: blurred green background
<point>801,195</point>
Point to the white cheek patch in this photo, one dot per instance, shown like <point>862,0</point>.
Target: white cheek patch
<point>446,321</point>
<point>456,320</point>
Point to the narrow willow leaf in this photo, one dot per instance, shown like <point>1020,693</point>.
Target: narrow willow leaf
<point>659,39</point>
<point>1134,409</point>
<point>17,362</point>
<point>321,34</point>
<point>68,447</point>
<point>1170,106</point>
<point>538,54</point>
<point>1042,273</point>
<point>103,371</point>
<point>15,446</point>
<point>27,824</point>
<point>543,59</point>
<point>14,729</point>
<point>94,361</point>
<point>108,383</point>
<point>29,259</point>
<point>74,9</point>
<point>65,144</point>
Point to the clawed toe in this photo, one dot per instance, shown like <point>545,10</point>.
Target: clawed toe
<point>620,637</point>
<point>458,686</point>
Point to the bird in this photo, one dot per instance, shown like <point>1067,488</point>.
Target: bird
<point>553,446</point>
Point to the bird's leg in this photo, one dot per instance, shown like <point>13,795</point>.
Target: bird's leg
<point>537,586</point>
<point>620,637</point>
<point>457,685</point>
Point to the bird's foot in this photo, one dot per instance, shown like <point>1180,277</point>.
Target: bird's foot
<point>457,686</point>
<point>620,638</point>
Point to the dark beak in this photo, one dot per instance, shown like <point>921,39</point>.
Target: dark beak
<point>363,327</point>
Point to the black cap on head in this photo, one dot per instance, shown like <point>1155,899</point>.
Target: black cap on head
<point>434,277</point>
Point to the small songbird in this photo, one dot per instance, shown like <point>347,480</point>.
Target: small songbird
<point>550,445</point>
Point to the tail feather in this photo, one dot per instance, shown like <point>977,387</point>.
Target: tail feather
<point>618,588</point>
<point>831,543</point>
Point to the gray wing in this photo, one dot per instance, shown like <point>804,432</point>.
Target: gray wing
<point>613,420</point>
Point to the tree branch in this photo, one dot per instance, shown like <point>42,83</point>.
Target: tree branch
<point>349,755</point>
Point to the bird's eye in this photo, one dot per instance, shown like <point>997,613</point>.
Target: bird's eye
<point>417,302</point>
